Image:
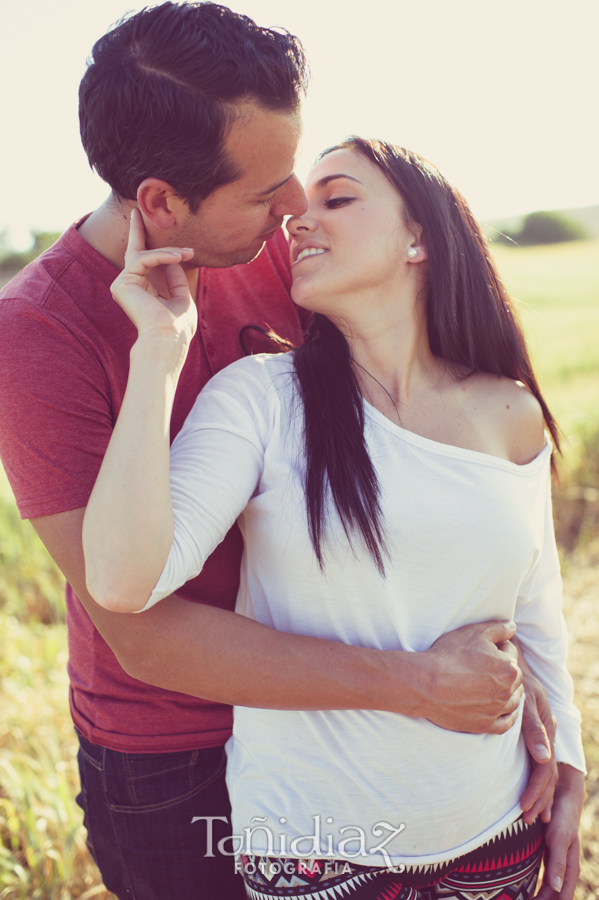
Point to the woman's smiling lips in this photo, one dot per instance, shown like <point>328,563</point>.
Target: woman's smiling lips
<point>303,252</point>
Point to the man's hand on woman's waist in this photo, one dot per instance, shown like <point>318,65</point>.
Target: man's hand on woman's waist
<point>471,679</point>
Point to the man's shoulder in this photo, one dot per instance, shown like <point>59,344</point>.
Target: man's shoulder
<point>31,285</point>
<point>64,294</point>
<point>70,271</point>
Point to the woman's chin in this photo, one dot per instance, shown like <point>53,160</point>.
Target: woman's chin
<point>302,297</point>
<point>309,298</point>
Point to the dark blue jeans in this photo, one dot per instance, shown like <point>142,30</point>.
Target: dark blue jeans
<point>138,810</point>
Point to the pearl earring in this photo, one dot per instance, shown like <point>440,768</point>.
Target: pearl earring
<point>412,252</point>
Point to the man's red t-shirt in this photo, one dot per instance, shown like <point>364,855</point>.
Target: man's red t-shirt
<point>64,360</point>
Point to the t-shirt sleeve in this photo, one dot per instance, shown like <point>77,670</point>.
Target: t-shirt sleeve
<point>543,636</point>
<point>55,411</point>
<point>215,467</point>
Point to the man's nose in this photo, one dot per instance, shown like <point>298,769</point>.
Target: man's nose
<point>291,199</point>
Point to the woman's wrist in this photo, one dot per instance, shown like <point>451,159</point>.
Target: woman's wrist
<point>571,780</point>
<point>164,348</point>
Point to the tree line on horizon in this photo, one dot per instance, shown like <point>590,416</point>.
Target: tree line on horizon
<point>543,228</point>
<point>537,228</point>
<point>14,260</point>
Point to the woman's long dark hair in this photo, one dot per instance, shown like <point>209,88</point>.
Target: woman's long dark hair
<point>471,322</point>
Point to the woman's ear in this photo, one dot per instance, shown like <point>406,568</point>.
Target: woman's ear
<point>158,203</point>
<point>417,251</point>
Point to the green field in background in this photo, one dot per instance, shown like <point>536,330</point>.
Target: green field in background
<point>557,289</point>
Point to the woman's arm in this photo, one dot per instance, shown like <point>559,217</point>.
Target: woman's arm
<point>562,862</point>
<point>128,524</point>
<point>543,638</point>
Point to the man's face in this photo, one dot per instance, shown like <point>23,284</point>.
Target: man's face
<point>234,221</point>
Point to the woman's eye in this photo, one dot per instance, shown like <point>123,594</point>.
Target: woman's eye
<point>336,202</point>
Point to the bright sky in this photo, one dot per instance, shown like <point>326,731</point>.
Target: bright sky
<point>502,96</point>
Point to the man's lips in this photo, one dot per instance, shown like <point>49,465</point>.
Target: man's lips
<point>270,233</point>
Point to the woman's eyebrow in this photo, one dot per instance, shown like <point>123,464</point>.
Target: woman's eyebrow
<point>328,178</point>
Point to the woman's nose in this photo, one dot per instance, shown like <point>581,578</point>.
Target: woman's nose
<point>300,224</point>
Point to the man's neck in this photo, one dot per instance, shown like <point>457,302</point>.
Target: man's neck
<point>107,231</point>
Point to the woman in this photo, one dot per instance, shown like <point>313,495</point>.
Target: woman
<point>392,482</point>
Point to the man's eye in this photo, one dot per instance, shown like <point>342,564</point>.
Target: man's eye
<point>336,202</point>
<point>266,202</point>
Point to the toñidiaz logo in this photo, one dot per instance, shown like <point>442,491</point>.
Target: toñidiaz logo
<point>355,841</point>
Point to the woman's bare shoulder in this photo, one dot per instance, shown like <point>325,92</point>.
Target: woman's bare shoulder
<point>513,413</point>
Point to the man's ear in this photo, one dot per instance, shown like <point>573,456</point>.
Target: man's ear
<point>159,203</point>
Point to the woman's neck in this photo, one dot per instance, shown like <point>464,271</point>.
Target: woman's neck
<point>392,355</point>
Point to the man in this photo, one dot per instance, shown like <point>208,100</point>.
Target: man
<point>191,114</point>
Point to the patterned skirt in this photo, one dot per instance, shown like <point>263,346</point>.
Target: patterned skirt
<point>505,868</point>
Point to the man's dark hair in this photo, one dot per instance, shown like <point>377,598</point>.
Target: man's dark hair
<point>157,98</point>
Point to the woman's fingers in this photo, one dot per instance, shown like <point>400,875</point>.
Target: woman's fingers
<point>176,282</point>
<point>545,813</point>
<point>571,873</point>
<point>138,260</point>
<point>538,730</point>
<point>138,297</point>
<point>538,722</point>
<point>133,282</point>
<point>143,262</point>
<point>539,791</point>
<point>137,236</point>
<point>562,859</point>
<point>542,807</point>
<point>561,871</point>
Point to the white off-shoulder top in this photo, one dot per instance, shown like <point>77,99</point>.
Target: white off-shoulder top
<point>471,539</point>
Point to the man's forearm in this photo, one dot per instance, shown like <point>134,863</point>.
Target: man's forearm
<point>463,682</point>
<point>221,656</point>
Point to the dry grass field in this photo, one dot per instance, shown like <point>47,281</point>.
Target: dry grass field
<point>581,608</point>
<point>42,843</point>
<point>557,287</point>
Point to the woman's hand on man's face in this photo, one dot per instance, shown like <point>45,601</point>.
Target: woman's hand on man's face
<point>152,314</point>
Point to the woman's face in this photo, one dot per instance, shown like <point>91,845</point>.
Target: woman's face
<point>352,244</point>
